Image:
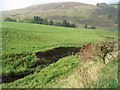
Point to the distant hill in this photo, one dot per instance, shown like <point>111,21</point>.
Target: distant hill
<point>78,13</point>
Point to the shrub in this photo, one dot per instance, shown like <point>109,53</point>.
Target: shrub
<point>93,27</point>
<point>10,20</point>
<point>28,20</point>
<point>73,25</point>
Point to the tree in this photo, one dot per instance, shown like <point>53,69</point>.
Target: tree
<point>65,23</point>
<point>36,19</point>
<point>73,25</point>
<point>86,26</point>
<point>97,4</point>
<point>51,23</point>
<point>45,21</point>
<point>40,20</point>
<point>116,22</point>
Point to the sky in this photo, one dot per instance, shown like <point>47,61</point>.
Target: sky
<point>15,4</point>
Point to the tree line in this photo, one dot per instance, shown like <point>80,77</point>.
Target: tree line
<point>64,23</point>
<point>45,21</point>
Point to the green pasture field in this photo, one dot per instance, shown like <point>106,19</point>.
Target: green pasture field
<point>25,37</point>
<point>20,42</point>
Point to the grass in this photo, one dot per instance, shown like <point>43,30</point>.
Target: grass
<point>15,65</point>
<point>95,75</point>
<point>25,37</point>
<point>107,76</point>
<point>22,40</point>
<point>46,77</point>
<point>66,73</point>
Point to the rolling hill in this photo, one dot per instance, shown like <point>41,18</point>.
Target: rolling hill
<point>75,12</point>
<point>45,56</point>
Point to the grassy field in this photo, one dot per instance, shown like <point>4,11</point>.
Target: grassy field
<point>25,37</point>
<point>22,40</point>
<point>45,77</point>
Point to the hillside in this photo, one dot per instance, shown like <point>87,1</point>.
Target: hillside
<point>42,56</point>
<point>38,54</point>
<point>78,13</point>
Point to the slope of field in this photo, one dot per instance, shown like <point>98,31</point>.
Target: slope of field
<point>70,72</point>
<point>21,42</point>
<point>62,68</point>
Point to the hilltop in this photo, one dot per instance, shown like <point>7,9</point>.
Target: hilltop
<point>75,12</point>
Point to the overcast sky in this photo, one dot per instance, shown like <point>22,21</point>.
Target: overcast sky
<point>15,4</point>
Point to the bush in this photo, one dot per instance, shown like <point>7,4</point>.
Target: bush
<point>65,23</point>
<point>93,27</point>
<point>28,20</point>
<point>10,20</point>
<point>89,26</point>
<point>73,25</point>
<point>58,24</point>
